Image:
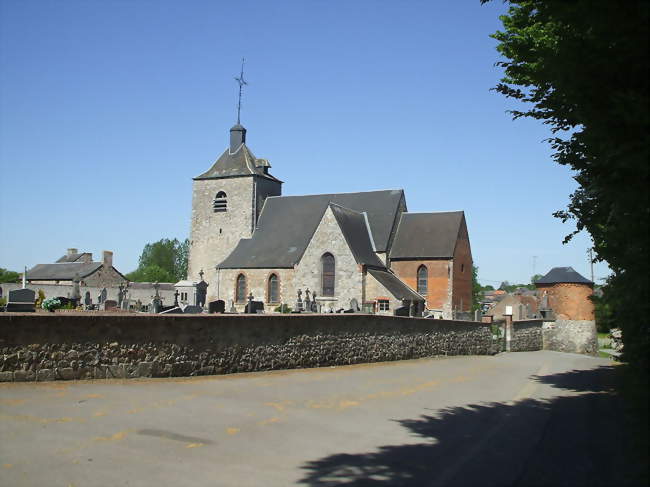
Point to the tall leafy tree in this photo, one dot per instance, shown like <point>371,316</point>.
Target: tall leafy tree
<point>162,261</point>
<point>581,67</point>
<point>8,276</point>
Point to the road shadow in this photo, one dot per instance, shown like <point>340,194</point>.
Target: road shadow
<point>568,440</point>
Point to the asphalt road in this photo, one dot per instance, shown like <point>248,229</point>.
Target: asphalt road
<point>533,418</point>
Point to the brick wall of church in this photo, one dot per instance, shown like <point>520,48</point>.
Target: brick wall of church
<point>462,273</point>
<point>439,289</point>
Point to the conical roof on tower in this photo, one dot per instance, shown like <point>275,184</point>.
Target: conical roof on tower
<point>238,160</point>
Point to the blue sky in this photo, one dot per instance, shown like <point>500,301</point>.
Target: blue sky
<point>109,108</point>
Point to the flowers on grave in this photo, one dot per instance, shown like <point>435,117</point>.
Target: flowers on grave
<point>50,304</point>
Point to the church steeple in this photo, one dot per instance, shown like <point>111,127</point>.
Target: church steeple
<point>237,137</point>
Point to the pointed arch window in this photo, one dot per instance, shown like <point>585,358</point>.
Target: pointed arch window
<point>328,273</point>
<point>240,289</point>
<point>273,291</point>
<point>423,279</point>
<point>220,202</point>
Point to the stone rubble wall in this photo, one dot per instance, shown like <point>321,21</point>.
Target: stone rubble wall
<point>526,336</point>
<point>81,346</point>
<point>572,336</point>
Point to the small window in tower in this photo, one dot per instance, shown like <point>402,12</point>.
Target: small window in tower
<point>462,268</point>
<point>220,203</point>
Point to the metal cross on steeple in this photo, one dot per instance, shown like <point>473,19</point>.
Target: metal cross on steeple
<point>240,80</point>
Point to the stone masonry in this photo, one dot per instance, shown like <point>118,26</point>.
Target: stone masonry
<point>59,347</point>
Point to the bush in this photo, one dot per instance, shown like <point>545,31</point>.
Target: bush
<point>40,298</point>
<point>3,302</point>
<point>283,308</point>
<point>50,304</point>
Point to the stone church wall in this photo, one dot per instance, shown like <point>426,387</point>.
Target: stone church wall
<point>214,235</point>
<point>348,277</point>
<point>96,346</point>
<point>374,290</point>
<point>257,284</point>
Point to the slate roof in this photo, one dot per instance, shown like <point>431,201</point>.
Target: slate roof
<point>427,235</point>
<point>240,163</point>
<point>71,257</point>
<point>64,271</point>
<point>394,285</point>
<point>355,230</point>
<point>287,224</point>
<point>563,275</point>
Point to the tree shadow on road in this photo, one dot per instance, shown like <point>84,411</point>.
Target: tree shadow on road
<point>568,440</point>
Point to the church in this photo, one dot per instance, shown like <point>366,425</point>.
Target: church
<point>345,250</point>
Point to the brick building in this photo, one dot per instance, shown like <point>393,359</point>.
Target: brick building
<point>344,247</point>
<point>567,293</point>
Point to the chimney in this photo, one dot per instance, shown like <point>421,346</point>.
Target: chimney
<point>72,251</point>
<point>237,137</point>
<point>107,258</point>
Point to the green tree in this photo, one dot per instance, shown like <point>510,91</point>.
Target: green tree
<point>581,67</point>
<point>162,261</point>
<point>8,276</point>
<point>477,289</point>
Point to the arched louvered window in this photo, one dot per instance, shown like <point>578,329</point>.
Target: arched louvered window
<point>220,202</point>
<point>273,291</point>
<point>423,279</point>
<point>328,274</point>
<point>240,291</point>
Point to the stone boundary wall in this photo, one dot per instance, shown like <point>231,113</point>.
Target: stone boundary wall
<point>94,346</point>
<point>526,336</point>
<point>573,336</point>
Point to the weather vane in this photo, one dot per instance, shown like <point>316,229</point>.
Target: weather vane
<point>240,80</point>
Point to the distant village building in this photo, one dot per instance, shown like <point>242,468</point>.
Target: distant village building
<point>77,265</point>
<point>340,251</point>
<point>567,293</point>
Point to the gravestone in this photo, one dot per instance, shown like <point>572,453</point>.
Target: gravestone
<point>402,310</point>
<point>299,303</point>
<point>21,300</point>
<point>87,299</point>
<point>202,293</point>
<point>110,304</point>
<point>354,305</point>
<point>232,307</point>
<point>192,309</point>
<point>218,306</point>
<point>254,307</point>
<point>156,304</point>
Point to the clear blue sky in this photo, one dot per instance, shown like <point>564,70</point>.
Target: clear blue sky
<point>109,108</point>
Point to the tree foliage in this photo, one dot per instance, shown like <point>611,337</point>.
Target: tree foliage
<point>477,290</point>
<point>162,261</point>
<point>581,67</point>
<point>8,276</point>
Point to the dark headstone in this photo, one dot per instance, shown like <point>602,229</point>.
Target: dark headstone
<point>87,299</point>
<point>254,307</point>
<point>192,309</point>
<point>402,311</point>
<point>218,306</point>
<point>110,304</point>
<point>22,296</point>
<point>202,292</point>
<point>21,300</point>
